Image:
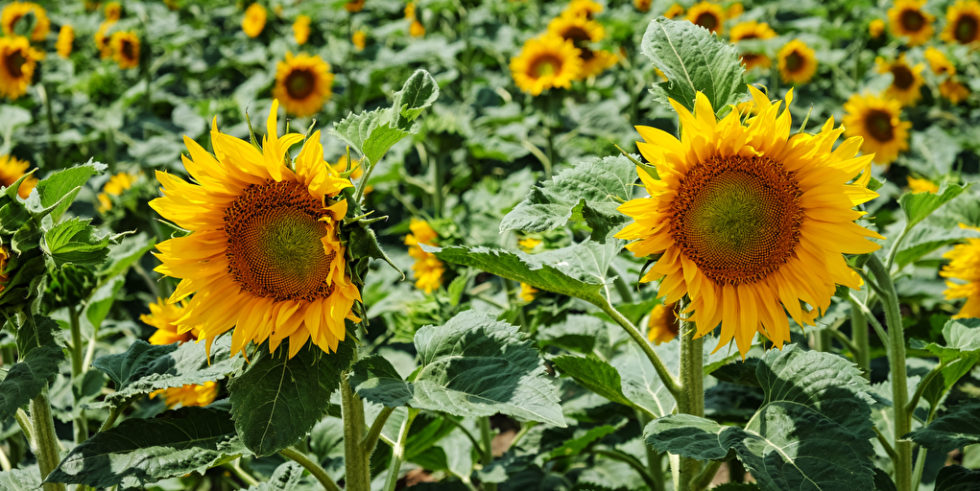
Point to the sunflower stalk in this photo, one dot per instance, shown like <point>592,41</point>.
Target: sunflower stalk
<point>691,400</point>
<point>45,439</point>
<point>859,338</point>
<point>77,357</point>
<point>486,457</point>
<point>398,451</point>
<point>358,473</point>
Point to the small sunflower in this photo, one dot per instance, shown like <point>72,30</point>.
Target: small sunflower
<point>354,6</point>
<point>938,62</point>
<point>953,90</point>
<point>113,11</point>
<point>582,8</point>
<point>528,292</point>
<point>17,63</point>
<point>101,37</point>
<point>878,122</point>
<point>254,20</point>
<point>303,83</point>
<point>906,80</point>
<point>427,269</point>
<point>263,257</point>
<point>908,20</point>
<point>964,266</point>
<point>797,62</point>
<point>962,22</point>
<point>188,395</point>
<point>416,29</point>
<point>749,221</point>
<point>12,169</point>
<point>642,5</point>
<point>125,49</point>
<point>301,29</point>
<point>734,10</point>
<point>14,12</point>
<point>66,37</point>
<point>527,244</point>
<point>662,324</point>
<point>917,185</point>
<point>674,10</point>
<point>545,62</point>
<point>581,31</point>
<point>115,186</point>
<point>752,30</point>
<point>876,28</point>
<point>359,39</point>
<point>707,15</point>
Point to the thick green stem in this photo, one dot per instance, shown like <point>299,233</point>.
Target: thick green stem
<point>358,474</point>
<point>314,468</point>
<point>668,380</point>
<point>77,357</point>
<point>896,361</point>
<point>398,451</point>
<point>692,393</point>
<point>486,437</point>
<point>859,338</point>
<point>45,439</point>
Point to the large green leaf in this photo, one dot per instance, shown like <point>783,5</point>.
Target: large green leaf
<point>693,59</point>
<point>961,352</point>
<point>27,378</point>
<point>278,399</point>
<point>918,206</point>
<point>128,251</point>
<point>20,479</point>
<point>959,427</point>
<point>927,237</point>
<point>957,478</point>
<point>143,451</point>
<point>471,366</point>
<point>58,190</point>
<point>75,241</point>
<point>595,375</point>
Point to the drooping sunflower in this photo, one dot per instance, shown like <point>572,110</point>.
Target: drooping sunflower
<point>582,8</point>
<point>962,22</point>
<point>301,29</point>
<point>707,15</point>
<point>115,186</point>
<point>964,266</point>
<point>797,62</point>
<point>545,62</point>
<point>953,90</point>
<point>125,47</point>
<point>674,10</point>
<point>427,269</point>
<point>919,185</point>
<point>15,12</point>
<point>906,80</point>
<point>254,21</point>
<point>752,30</point>
<point>66,37</point>
<point>908,20</point>
<point>938,62</point>
<point>263,256</point>
<point>750,221</point>
<point>359,39</point>
<point>662,324</point>
<point>876,28</point>
<point>581,31</point>
<point>165,317</point>
<point>303,83</point>
<point>878,121</point>
<point>17,63</point>
<point>12,169</point>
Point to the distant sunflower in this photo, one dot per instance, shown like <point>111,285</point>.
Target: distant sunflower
<point>917,185</point>
<point>906,80</point>
<point>674,10</point>
<point>582,8</point>
<point>14,12</point>
<point>428,269</point>
<point>125,49</point>
<point>166,317</point>
<point>17,63</point>
<point>581,32</point>
<point>938,62</point>
<point>953,90</point>
<point>354,6</point>
<point>254,21</point>
<point>963,22</point>
<point>416,29</point>
<point>188,395</point>
<point>642,5</point>
<point>734,10</point>
<point>359,39</point>
<point>12,169</point>
<point>301,29</point>
<point>707,15</point>
<point>303,83</point>
<point>752,30</point>
<point>908,20</point>
<point>113,11</point>
<point>878,121</point>
<point>4,256</point>
<point>527,244</point>
<point>748,219</point>
<point>115,186</point>
<point>66,37</point>
<point>528,292</point>
<point>545,62</point>
<point>876,28</point>
<point>797,62</point>
<point>662,324</point>
<point>964,266</point>
<point>263,256</point>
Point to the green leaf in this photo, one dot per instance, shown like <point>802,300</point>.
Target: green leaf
<point>575,446</point>
<point>591,190</point>
<point>288,475</point>
<point>20,479</point>
<point>693,59</point>
<point>75,241</point>
<point>957,478</point>
<point>278,399</point>
<point>595,375</point>
<point>926,238</point>
<point>961,352</point>
<point>959,427</point>
<point>27,378</point>
<point>143,451</point>
<point>471,366</point>
<point>58,190</point>
<point>918,206</point>
<point>418,93</point>
<point>126,253</point>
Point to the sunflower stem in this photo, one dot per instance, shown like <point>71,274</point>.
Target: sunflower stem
<point>859,338</point>
<point>371,439</point>
<point>45,439</point>
<point>486,437</point>
<point>668,380</point>
<point>358,473</point>
<point>317,471</point>
<point>77,356</point>
<point>398,451</point>
<point>691,400</point>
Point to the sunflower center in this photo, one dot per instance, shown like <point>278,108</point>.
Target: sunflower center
<point>127,49</point>
<point>902,77</point>
<point>14,62</point>
<point>737,218</point>
<point>707,20</point>
<point>300,83</point>
<point>274,247</point>
<point>879,125</point>
<point>966,29</point>
<point>580,38</point>
<point>912,20</point>
<point>545,66</point>
<point>794,61</point>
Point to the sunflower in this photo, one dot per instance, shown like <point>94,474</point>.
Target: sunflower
<point>964,265</point>
<point>113,11</point>
<point>917,185</point>
<point>115,186</point>
<point>303,83</point>
<point>354,6</point>
<point>906,80</point>
<point>938,62</point>
<point>263,256</point>
<point>17,63</point>
<point>4,255</point>
<point>877,121</point>
<point>101,37</point>
<point>582,8</point>
<point>416,29</point>
<point>301,29</point>
<point>642,5</point>
<point>165,317</point>
<point>674,10</point>
<point>707,15</point>
<point>749,220</point>
<point>962,22</point>
<point>66,37</point>
<point>188,395</point>
<point>359,39</point>
<point>545,62</point>
<point>527,244</point>
<point>953,90</point>
<point>734,10</point>
<point>12,169</point>
<point>427,269</point>
<point>797,62</point>
<point>662,324</point>
<point>125,49</point>
<point>876,28</point>
<point>528,292</point>
<point>16,11</point>
<point>907,19</point>
<point>254,20</point>
<point>752,30</point>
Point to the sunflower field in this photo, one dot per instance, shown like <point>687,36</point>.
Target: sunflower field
<point>490,245</point>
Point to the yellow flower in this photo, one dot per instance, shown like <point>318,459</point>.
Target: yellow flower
<point>416,29</point>
<point>642,5</point>
<point>17,63</point>
<point>528,292</point>
<point>876,28</point>
<point>4,255</point>
<point>125,49</point>
<point>734,10</point>
<point>410,11</point>
<point>263,256</point>
<point>527,244</point>
<point>917,185</point>
<point>354,6</point>
<point>101,37</point>
<point>165,317</point>
<point>673,11</point>
<point>906,80</point>
<point>115,186</point>
<point>16,11</point>
<point>359,39</point>
<point>355,166</point>
<point>580,32</point>
<point>953,90</point>
<point>301,29</point>
<point>545,62</point>
<point>707,15</point>
<point>938,62</point>
<point>753,30</point>
<point>749,219</point>
<point>254,20</point>
<point>113,11</point>
<point>188,395</point>
<point>877,121</point>
<point>907,20</point>
<point>662,324</point>
<point>66,37</point>
<point>428,269</point>
<point>582,8</point>
<point>962,22</point>
<point>964,265</point>
<point>797,62</point>
<point>303,83</point>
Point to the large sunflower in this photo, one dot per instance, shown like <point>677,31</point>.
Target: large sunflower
<point>797,62</point>
<point>17,63</point>
<point>125,48</point>
<point>12,169</point>
<point>263,255</point>
<point>906,80</point>
<point>963,22</point>
<point>303,83</point>
<point>66,37</point>
<point>545,62</point>
<point>707,15</point>
<point>964,265</point>
<point>878,121</point>
<point>254,21</point>
<point>14,12</point>
<point>752,30</point>
<point>908,20</point>
<point>749,219</point>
